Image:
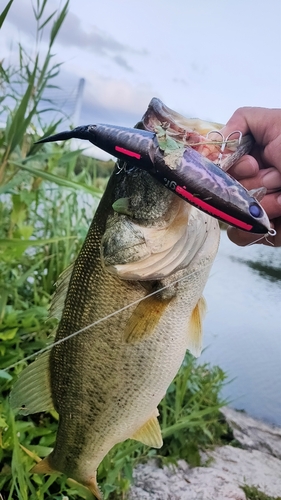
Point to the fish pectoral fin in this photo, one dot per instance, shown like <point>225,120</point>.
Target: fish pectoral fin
<point>122,206</point>
<point>32,391</point>
<point>144,319</point>
<point>43,467</point>
<point>150,433</point>
<point>194,338</point>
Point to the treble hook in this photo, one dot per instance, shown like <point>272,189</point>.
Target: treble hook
<point>224,141</point>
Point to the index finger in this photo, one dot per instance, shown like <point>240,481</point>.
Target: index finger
<point>263,123</point>
<point>265,126</point>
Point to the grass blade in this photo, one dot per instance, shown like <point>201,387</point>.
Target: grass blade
<point>5,12</point>
<point>19,123</point>
<point>46,22</point>
<point>16,242</point>
<point>60,181</point>
<point>57,24</point>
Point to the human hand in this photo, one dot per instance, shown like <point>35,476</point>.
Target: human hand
<point>262,168</point>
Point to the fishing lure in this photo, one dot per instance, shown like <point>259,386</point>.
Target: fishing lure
<point>183,170</point>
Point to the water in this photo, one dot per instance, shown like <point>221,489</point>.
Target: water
<point>242,330</point>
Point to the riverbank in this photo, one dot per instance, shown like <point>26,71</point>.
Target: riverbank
<point>251,469</point>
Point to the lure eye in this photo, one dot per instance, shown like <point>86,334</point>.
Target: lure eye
<point>255,210</point>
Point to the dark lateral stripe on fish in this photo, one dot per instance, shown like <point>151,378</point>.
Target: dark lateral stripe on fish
<point>127,152</point>
<point>212,210</point>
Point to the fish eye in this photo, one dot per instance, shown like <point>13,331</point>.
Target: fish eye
<point>255,210</point>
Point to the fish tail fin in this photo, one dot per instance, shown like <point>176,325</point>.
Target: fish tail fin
<point>43,467</point>
<point>92,485</point>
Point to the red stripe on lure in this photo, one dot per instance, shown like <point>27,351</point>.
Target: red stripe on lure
<point>127,152</point>
<point>206,207</point>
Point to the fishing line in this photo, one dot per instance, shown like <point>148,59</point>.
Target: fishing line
<point>213,143</point>
<point>50,346</point>
<point>271,232</point>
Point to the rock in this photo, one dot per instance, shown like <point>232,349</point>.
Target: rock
<point>230,468</point>
<point>182,483</point>
<point>253,434</point>
<point>251,467</point>
<point>226,468</point>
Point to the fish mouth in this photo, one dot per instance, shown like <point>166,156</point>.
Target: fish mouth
<point>193,132</point>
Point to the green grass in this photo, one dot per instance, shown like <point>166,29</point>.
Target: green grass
<point>252,493</point>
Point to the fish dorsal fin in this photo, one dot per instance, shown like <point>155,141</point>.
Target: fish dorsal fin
<point>150,433</point>
<point>32,391</point>
<point>194,343</point>
<point>144,319</point>
<point>59,296</point>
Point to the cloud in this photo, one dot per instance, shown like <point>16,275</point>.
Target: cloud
<point>72,34</point>
<point>122,62</point>
<point>105,99</point>
<point>181,81</point>
<point>21,17</point>
<point>119,100</point>
<point>96,41</point>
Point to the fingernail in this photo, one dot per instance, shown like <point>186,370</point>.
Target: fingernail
<point>272,179</point>
<point>279,199</point>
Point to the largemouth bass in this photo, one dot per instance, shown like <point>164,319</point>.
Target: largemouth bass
<point>145,247</point>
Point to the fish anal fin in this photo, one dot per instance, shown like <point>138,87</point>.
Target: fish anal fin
<point>43,467</point>
<point>32,391</point>
<point>144,319</point>
<point>150,433</point>
<point>92,485</point>
<point>194,342</point>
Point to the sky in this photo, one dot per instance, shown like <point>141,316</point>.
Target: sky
<point>202,58</point>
